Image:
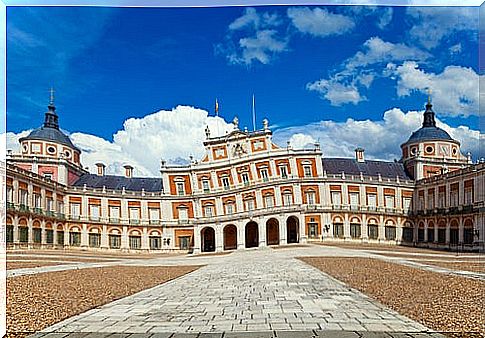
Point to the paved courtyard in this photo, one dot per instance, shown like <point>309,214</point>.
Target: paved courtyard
<point>267,292</point>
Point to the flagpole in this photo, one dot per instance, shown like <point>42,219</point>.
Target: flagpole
<point>254,116</point>
<point>217,115</point>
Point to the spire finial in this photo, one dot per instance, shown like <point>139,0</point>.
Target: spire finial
<point>429,95</point>
<point>51,99</point>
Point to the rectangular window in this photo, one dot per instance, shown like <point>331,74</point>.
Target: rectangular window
<point>23,234</point>
<point>184,242</point>
<point>205,185</point>
<point>468,196</point>
<point>372,201</point>
<point>49,236</point>
<point>338,230</point>
<point>114,214</point>
<point>37,235</point>
<point>60,237</point>
<point>372,231</point>
<point>355,230</point>
<point>209,211</point>
<point>94,212</point>
<point>154,214</point>
<point>50,204</point>
<point>114,241</point>
<point>94,240</point>
<point>390,233</point>
<point>37,201</point>
<point>307,171</point>
<point>406,203</point>
<point>75,210</point>
<point>155,242</point>
<point>245,178</point>
<point>313,230</point>
<point>283,171</point>
<point>23,197</point>
<point>336,198</point>
<point>249,204</point>
<point>10,195</point>
<point>389,202</point>
<point>225,183</point>
<point>180,188</point>
<point>268,201</point>
<point>135,242</point>
<point>354,199</point>
<point>310,198</point>
<point>75,238</point>
<point>183,213</point>
<point>264,174</point>
<point>229,208</point>
<point>134,213</point>
<point>287,199</point>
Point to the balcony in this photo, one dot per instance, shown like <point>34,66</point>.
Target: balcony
<point>10,206</point>
<point>23,208</point>
<point>94,218</point>
<point>154,222</point>
<point>183,221</point>
<point>74,217</point>
<point>114,220</point>
<point>50,213</point>
<point>38,211</point>
<point>60,215</point>
<point>134,221</point>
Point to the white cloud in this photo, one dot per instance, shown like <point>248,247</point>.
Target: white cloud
<point>320,22</point>
<point>455,49</point>
<point>455,90</point>
<point>173,135</point>
<point>380,139</point>
<point>345,86</point>
<point>300,140</point>
<point>253,38</point>
<point>336,92</point>
<point>385,17</point>
<point>433,24</point>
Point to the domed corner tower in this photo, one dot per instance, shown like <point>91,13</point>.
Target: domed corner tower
<point>49,152</point>
<point>431,150</point>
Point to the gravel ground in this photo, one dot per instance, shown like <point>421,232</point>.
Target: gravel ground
<point>22,265</point>
<point>441,302</point>
<point>37,301</point>
<point>463,266</point>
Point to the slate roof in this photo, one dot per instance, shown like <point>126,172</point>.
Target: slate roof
<point>368,168</point>
<point>50,134</point>
<point>111,182</point>
<point>429,134</point>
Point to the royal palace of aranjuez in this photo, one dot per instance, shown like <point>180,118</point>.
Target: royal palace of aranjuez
<point>246,192</point>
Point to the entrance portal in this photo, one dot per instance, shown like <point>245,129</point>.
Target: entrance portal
<point>292,229</point>
<point>230,237</point>
<point>208,237</point>
<point>252,235</point>
<point>272,232</point>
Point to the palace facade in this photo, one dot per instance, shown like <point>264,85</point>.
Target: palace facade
<point>245,192</point>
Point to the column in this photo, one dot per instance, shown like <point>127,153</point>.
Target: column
<point>346,227</point>
<point>241,235</point>
<point>124,239</point>
<point>262,232</point>
<point>84,237</point>
<point>447,231</point>
<point>436,231</point>
<point>219,238</point>
<point>382,230</point>
<point>302,228</point>
<point>425,239</point>
<point>43,240</point>
<point>104,237</point>
<point>144,239</point>
<point>461,231</point>
<point>30,240</point>
<point>15,223</point>
<point>282,232</point>
<point>197,240</point>
<point>399,227</point>
<point>365,232</point>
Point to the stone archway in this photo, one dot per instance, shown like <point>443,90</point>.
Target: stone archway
<point>230,237</point>
<point>292,230</point>
<point>252,235</point>
<point>272,232</point>
<point>208,238</point>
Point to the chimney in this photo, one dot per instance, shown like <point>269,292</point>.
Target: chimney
<point>359,155</point>
<point>128,170</point>
<point>101,167</point>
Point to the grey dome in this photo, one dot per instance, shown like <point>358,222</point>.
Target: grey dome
<point>50,134</point>
<point>428,134</point>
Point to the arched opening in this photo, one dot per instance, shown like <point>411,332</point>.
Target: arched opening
<point>230,237</point>
<point>208,236</point>
<point>468,233</point>
<point>292,229</point>
<point>252,235</point>
<point>272,232</point>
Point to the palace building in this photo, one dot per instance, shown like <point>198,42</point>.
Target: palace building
<point>246,192</point>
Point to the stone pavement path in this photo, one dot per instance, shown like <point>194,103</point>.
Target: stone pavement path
<point>251,291</point>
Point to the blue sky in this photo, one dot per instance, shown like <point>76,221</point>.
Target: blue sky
<point>304,65</point>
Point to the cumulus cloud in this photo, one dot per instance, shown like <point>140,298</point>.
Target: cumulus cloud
<point>455,89</point>
<point>345,85</point>
<point>433,24</point>
<point>173,135</point>
<point>253,37</point>
<point>319,22</point>
<point>339,139</point>
<point>300,140</point>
